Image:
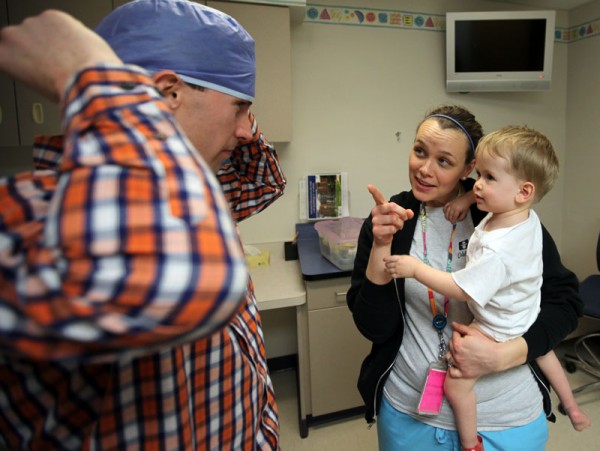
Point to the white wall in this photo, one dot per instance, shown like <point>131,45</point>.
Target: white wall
<point>582,182</point>
<point>354,87</point>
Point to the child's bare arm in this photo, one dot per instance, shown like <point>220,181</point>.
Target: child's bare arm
<point>456,210</point>
<point>405,266</point>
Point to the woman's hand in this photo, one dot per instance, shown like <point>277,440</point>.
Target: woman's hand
<point>387,218</point>
<point>473,354</point>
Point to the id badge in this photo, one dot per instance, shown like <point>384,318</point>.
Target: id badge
<point>432,395</point>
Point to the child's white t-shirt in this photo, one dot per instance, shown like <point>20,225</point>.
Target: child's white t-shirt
<point>503,277</point>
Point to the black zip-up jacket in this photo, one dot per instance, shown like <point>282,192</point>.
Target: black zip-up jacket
<point>379,317</point>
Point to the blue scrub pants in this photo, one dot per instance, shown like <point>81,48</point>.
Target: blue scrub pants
<point>397,431</point>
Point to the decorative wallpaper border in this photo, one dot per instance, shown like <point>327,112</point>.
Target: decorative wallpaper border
<point>371,17</point>
<point>578,32</point>
<point>385,18</point>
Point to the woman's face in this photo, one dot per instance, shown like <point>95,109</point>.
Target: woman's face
<point>437,163</point>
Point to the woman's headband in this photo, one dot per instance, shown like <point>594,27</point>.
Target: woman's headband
<point>450,118</point>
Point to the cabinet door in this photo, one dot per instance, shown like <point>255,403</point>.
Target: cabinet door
<point>336,351</point>
<point>9,131</point>
<point>36,114</point>
<point>270,28</point>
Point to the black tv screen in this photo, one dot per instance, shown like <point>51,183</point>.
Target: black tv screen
<point>498,51</point>
<point>500,45</point>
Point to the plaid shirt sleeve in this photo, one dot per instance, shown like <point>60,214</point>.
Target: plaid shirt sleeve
<point>129,245</point>
<point>252,178</point>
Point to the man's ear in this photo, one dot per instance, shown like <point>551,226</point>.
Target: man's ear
<point>526,192</point>
<point>169,84</point>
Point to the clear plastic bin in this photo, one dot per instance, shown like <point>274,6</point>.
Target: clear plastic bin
<point>338,239</point>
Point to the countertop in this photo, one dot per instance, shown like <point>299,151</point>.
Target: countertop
<point>280,284</point>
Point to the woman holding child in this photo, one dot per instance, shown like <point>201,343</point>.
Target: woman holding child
<point>414,330</point>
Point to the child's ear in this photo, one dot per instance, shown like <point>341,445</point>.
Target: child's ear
<point>526,192</point>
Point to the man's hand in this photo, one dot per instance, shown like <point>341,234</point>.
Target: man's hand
<point>387,217</point>
<point>46,50</point>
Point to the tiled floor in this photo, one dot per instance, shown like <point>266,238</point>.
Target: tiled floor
<point>352,434</point>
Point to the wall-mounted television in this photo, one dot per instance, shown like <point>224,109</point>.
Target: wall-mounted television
<point>499,51</point>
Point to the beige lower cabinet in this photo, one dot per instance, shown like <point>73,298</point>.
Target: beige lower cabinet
<point>336,348</point>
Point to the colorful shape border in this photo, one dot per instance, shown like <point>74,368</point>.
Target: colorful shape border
<point>382,18</point>
<point>370,17</point>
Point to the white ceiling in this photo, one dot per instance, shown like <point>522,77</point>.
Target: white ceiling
<point>551,4</point>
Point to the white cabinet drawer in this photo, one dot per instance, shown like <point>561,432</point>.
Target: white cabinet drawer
<point>327,293</point>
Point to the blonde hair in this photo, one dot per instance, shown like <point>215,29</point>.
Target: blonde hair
<point>529,153</point>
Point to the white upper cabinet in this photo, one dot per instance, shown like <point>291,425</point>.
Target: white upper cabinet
<point>270,28</point>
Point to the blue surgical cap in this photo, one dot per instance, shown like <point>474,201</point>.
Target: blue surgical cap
<point>204,46</point>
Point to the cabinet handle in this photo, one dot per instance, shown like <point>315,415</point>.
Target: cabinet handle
<point>340,297</point>
<point>37,112</point>
<point>0,115</point>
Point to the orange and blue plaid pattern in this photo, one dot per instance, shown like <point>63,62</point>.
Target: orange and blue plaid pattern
<point>138,247</point>
<point>207,393</point>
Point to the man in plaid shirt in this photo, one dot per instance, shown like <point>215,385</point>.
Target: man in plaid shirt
<point>119,265</point>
